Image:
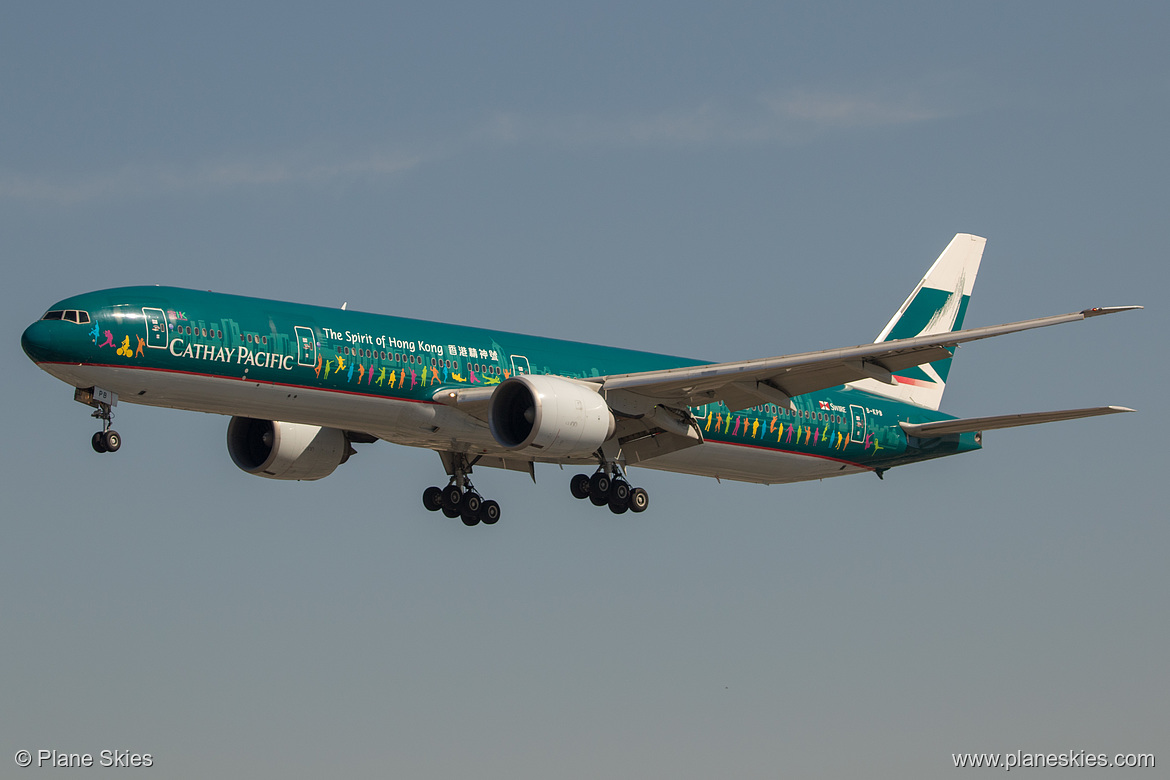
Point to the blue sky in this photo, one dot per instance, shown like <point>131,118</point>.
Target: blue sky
<point>714,181</point>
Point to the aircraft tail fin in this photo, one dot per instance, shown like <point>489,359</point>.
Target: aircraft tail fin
<point>937,305</point>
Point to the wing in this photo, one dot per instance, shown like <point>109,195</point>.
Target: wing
<point>777,380</point>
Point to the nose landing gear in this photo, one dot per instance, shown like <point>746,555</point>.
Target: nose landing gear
<point>105,440</point>
<point>103,402</point>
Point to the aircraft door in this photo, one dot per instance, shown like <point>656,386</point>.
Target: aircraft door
<point>857,415</point>
<point>520,365</point>
<point>156,327</point>
<point>306,346</point>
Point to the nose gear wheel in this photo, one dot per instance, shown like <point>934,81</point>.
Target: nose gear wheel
<point>105,440</point>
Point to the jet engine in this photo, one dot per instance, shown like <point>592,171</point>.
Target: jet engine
<point>549,416</point>
<point>280,450</point>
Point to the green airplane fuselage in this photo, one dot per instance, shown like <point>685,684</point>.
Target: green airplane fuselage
<point>162,345</point>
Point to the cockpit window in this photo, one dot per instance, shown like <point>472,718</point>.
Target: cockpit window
<point>71,315</point>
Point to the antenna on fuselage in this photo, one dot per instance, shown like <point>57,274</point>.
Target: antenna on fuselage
<point>344,305</point>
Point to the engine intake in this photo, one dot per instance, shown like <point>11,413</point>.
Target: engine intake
<point>549,416</point>
<point>280,450</point>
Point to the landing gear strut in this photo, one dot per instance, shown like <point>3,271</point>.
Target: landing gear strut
<point>460,498</point>
<point>609,487</point>
<point>105,440</point>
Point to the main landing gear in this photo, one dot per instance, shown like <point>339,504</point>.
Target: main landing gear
<point>105,440</point>
<point>460,498</point>
<point>610,488</point>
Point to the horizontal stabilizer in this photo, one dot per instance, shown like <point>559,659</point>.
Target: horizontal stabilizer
<point>943,427</point>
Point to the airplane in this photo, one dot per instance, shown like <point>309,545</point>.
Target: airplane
<point>299,384</point>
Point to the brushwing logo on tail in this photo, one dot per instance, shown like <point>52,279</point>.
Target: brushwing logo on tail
<point>937,305</point>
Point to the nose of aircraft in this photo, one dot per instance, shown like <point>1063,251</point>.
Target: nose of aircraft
<point>37,341</point>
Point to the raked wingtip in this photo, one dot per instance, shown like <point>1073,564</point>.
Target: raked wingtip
<point>1097,311</point>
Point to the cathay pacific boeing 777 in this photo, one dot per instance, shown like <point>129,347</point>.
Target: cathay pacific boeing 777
<point>302,383</point>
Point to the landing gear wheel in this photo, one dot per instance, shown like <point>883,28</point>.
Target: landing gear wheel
<point>471,504</point>
<point>460,498</point>
<point>618,506</point>
<point>433,499</point>
<point>112,440</point>
<point>452,498</point>
<point>99,442</point>
<point>639,500</point>
<point>579,486</point>
<point>599,489</point>
<point>619,490</point>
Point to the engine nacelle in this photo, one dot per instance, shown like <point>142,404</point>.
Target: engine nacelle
<point>280,450</point>
<point>549,416</point>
